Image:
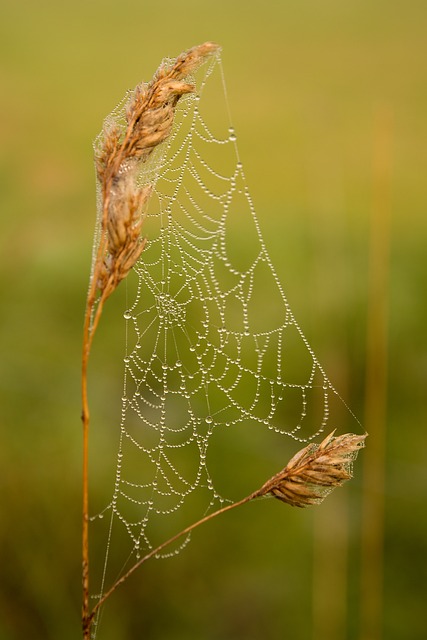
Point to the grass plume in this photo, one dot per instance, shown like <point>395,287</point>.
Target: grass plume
<point>149,117</point>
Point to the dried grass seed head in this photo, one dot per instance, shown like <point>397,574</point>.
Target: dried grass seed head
<point>147,122</point>
<point>315,471</point>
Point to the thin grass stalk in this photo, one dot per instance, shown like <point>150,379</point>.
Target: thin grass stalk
<point>162,546</point>
<point>330,553</point>
<point>376,381</point>
<point>87,338</point>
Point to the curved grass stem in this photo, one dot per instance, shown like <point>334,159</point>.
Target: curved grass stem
<point>157,550</point>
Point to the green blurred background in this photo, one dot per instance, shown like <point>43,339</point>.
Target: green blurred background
<point>309,83</point>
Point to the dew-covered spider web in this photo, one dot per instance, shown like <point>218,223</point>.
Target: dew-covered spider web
<point>214,355</point>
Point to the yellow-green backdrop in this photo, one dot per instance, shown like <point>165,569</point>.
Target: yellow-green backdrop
<point>308,83</point>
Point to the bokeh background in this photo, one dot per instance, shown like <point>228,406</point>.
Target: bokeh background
<point>329,101</point>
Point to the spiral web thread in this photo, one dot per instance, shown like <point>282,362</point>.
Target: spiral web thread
<point>212,344</point>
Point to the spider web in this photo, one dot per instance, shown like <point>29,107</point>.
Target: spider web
<point>213,347</point>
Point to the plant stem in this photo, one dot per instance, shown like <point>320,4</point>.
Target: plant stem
<point>88,333</point>
<point>85,482</point>
<point>372,548</point>
<point>87,340</point>
<point>89,328</point>
<point>158,549</point>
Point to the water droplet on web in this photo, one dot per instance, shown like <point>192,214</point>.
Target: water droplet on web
<point>232,137</point>
<point>127,315</point>
<point>209,419</point>
<point>178,363</point>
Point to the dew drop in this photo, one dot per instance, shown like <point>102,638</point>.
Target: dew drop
<point>232,137</point>
<point>127,315</point>
<point>209,419</point>
<point>178,363</point>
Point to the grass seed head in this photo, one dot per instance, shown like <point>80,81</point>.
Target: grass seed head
<point>147,122</point>
<point>315,471</point>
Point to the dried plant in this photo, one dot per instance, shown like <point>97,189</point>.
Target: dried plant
<point>315,470</point>
<point>148,122</point>
<point>149,118</point>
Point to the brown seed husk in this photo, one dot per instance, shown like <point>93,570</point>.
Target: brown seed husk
<point>148,121</point>
<point>315,471</point>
